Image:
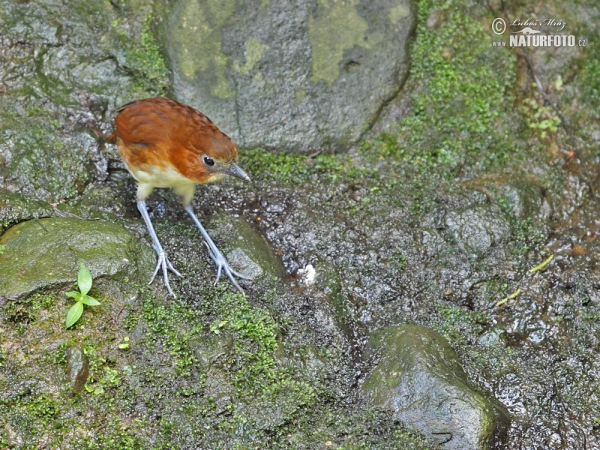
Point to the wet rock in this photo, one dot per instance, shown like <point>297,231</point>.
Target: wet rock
<point>250,254</point>
<point>421,380</point>
<point>46,163</point>
<point>478,228</point>
<point>78,369</point>
<point>333,311</point>
<point>15,208</point>
<point>219,391</point>
<point>526,199</point>
<point>13,438</point>
<point>47,252</point>
<point>208,350</point>
<point>288,74</point>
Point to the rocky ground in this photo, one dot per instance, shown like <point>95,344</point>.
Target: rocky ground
<point>423,323</point>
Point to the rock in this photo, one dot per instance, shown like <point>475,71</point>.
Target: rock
<point>333,310</point>
<point>13,439</point>
<point>64,66</point>
<point>420,379</point>
<point>15,208</point>
<point>288,74</point>
<point>78,369</point>
<point>526,199</point>
<point>250,254</point>
<point>47,252</point>
<point>478,228</point>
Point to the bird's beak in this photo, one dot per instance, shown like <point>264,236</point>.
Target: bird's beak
<point>236,171</point>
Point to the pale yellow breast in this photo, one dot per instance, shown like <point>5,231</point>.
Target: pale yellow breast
<point>159,177</point>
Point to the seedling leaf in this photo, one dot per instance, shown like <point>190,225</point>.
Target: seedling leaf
<point>84,279</point>
<point>73,294</point>
<point>74,314</point>
<point>91,301</point>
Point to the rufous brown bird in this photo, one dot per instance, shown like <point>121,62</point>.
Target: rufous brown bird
<point>167,144</point>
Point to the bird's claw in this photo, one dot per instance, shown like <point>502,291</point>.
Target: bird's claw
<point>223,265</point>
<point>164,264</point>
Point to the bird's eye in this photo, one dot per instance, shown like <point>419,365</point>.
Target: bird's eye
<point>209,161</point>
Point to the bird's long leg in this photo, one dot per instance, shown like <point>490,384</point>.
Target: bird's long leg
<point>216,255</point>
<point>163,262</point>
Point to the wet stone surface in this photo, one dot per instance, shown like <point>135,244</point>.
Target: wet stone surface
<point>64,66</point>
<point>419,377</point>
<point>78,368</point>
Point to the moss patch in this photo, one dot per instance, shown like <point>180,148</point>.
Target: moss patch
<point>462,112</point>
<point>198,33</point>
<point>292,168</point>
<point>333,28</point>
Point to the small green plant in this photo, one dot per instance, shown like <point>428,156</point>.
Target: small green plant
<point>397,262</point>
<point>216,327</point>
<point>125,344</point>
<point>84,281</point>
<point>541,118</point>
<point>110,378</point>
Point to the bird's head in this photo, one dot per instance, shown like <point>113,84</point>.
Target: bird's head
<point>219,164</point>
<point>214,157</point>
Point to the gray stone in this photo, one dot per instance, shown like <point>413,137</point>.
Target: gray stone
<point>15,208</point>
<point>47,252</point>
<point>250,253</point>
<point>478,228</point>
<point>421,380</point>
<point>288,74</point>
<point>526,199</point>
<point>78,369</point>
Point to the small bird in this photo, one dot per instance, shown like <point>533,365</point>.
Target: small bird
<point>166,144</point>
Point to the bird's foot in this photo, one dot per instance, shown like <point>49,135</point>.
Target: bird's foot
<point>164,264</point>
<point>223,266</point>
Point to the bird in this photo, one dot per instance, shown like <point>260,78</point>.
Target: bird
<point>167,144</point>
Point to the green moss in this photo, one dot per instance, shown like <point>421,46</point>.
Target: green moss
<point>458,322</point>
<point>170,326</point>
<point>143,57</point>
<point>540,117</point>
<point>292,168</point>
<point>460,97</point>
<point>252,362</point>
<point>43,407</point>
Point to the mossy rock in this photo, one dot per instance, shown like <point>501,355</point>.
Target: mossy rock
<point>44,253</point>
<point>251,254</point>
<point>289,75</point>
<point>15,208</point>
<point>420,379</point>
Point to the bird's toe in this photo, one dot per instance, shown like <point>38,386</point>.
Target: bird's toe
<point>163,264</point>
